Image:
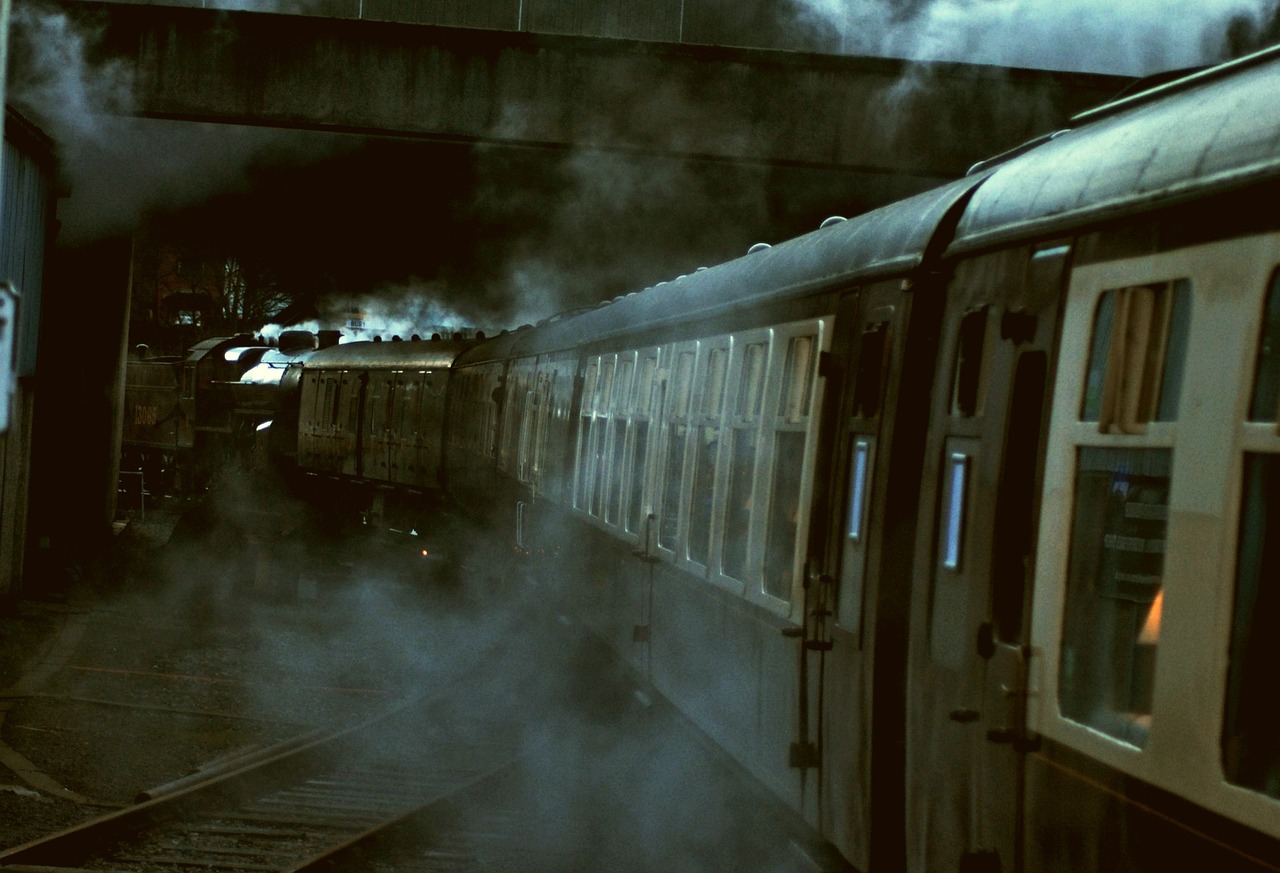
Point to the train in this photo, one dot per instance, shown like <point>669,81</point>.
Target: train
<point>950,522</point>
<point>185,417</point>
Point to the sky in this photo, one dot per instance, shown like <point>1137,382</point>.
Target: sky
<point>1123,37</point>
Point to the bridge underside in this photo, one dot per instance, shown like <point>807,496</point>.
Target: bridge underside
<point>863,116</point>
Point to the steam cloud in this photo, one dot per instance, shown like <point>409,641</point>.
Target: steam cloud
<point>114,167</point>
<point>608,224</point>
<point>402,309</point>
<point>1130,38</point>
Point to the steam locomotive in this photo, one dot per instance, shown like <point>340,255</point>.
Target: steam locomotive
<point>891,510</point>
<point>185,417</point>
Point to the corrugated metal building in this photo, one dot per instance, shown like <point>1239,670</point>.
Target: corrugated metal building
<point>27,205</point>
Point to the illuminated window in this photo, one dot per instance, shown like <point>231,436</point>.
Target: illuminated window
<point>954,489</point>
<point>1114,584</point>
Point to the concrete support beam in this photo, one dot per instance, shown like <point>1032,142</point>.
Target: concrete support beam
<point>868,115</point>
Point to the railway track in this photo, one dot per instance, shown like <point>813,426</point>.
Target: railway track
<point>301,810</point>
<point>315,802</point>
<point>534,756</point>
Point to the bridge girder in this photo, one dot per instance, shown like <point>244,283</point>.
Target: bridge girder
<point>867,116</point>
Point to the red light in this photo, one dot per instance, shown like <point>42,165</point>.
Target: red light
<point>424,553</point>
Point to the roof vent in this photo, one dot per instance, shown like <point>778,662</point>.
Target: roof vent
<point>758,247</point>
<point>835,219</point>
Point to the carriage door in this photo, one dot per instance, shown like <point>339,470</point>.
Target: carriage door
<point>861,747</point>
<point>969,710</point>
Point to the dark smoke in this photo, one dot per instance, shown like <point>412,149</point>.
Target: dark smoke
<point>116,168</point>
<point>609,224</point>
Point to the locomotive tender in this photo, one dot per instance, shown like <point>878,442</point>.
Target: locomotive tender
<point>951,522</point>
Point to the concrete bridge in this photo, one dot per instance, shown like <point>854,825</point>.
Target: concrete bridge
<point>496,80</point>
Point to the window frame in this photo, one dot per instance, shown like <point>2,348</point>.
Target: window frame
<point>1182,752</point>
<point>734,422</point>
<point>774,422</point>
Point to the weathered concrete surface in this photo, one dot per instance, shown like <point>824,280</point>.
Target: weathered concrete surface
<point>872,116</point>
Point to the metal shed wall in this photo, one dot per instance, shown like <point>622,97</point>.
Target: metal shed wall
<point>26,195</point>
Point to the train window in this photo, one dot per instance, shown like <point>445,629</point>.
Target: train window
<point>644,384</point>
<point>859,487</point>
<point>1111,625</point>
<point>486,411</point>
<point>737,510</point>
<point>525,433</point>
<point>1251,724</point>
<point>543,398</point>
<point>599,434</point>
<point>638,448</point>
<point>954,489</point>
<point>873,347</point>
<point>743,439</point>
<point>1266,380</point>
<point>797,378</point>
<point>783,514</point>
<point>713,393</point>
<point>1134,371</point>
<point>621,410</point>
<point>392,417</point>
<point>751,386</point>
<point>967,381</point>
<point>582,483</point>
<point>706,451</point>
<point>861,455</point>
<point>516,396</point>
<point>676,438</point>
<point>329,409</point>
